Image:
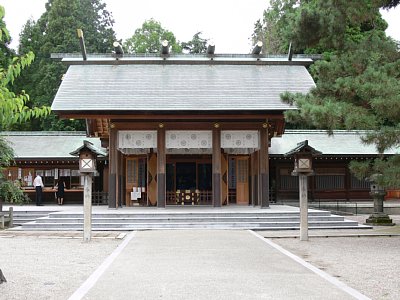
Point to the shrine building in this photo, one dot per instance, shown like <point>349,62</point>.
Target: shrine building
<point>187,129</point>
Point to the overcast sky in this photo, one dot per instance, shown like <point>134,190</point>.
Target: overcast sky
<point>228,23</point>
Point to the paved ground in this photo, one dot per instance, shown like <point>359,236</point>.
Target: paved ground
<point>199,264</point>
<point>207,264</point>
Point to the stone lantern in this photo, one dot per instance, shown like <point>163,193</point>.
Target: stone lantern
<point>303,157</point>
<point>87,166</point>
<point>87,161</point>
<point>377,192</point>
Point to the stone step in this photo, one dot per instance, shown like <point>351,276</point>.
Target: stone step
<point>191,219</point>
<point>184,214</point>
<point>187,225</point>
<point>24,217</point>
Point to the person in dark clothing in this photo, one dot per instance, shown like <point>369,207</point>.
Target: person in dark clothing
<point>38,184</point>
<point>60,191</point>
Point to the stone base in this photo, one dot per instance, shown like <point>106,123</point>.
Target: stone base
<point>379,219</point>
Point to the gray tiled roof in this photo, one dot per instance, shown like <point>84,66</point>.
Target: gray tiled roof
<point>340,143</point>
<point>59,144</point>
<point>171,87</point>
<point>47,145</point>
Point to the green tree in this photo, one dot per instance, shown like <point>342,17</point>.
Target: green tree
<point>315,26</point>
<point>357,81</point>
<point>55,32</point>
<point>273,30</point>
<point>148,38</point>
<point>13,108</point>
<point>196,45</point>
<point>6,53</point>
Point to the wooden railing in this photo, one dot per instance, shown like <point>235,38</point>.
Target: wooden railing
<point>99,198</point>
<point>189,197</point>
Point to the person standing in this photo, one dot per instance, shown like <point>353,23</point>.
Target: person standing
<point>38,184</point>
<point>60,191</point>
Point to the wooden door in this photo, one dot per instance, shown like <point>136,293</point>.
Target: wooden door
<point>224,179</point>
<point>242,180</point>
<point>152,179</point>
<point>135,180</point>
<point>132,178</point>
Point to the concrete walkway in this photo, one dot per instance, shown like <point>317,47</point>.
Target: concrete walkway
<point>211,264</point>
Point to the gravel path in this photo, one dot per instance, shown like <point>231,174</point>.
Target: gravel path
<point>369,264</point>
<point>38,267</point>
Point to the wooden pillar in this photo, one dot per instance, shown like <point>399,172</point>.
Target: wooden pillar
<point>303,207</point>
<point>121,190</point>
<point>257,191</point>
<point>216,165</point>
<point>347,182</point>
<point>118,178</point>
<point>264,166</point>
<point>161,161</point>
<point>113,164</point>
<point>253,177</point>
<point>87,208</point>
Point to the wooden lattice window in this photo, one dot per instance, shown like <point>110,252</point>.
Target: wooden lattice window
<point>136,172</point>
<point>132,171</point>
<point>288,182</point>
<point>330,178</point>
<point>358,184</point>
<point>232,173</point>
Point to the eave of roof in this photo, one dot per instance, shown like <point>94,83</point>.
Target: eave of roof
<point>45,145</point>
<point>340,143</point>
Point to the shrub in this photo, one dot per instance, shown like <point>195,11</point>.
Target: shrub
<point>12,193</point>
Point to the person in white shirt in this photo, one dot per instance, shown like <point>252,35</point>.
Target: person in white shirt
<point>38,184</point>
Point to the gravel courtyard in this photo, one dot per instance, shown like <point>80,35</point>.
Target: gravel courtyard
<point>53,265</point>
<point>48,266</point>
<point>362,259</point>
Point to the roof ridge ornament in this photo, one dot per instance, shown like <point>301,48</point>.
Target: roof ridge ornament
<point>290,52</point>
<point>257,48</point>
<point>82,43</point>
<point>118,51</point>
<point>211,49</point>
<point>164,48</point>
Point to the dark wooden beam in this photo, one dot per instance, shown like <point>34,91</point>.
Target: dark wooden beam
<point>216,165</point>
<point>264,166</point>
<point>112,183</point>
<point>189,125</point>
<point>181,115</point>
<point>161,161</point>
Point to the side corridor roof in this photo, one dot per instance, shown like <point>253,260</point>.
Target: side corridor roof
<point>36,144</point>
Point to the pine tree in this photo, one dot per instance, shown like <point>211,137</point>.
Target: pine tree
<point>358,79</point>
<point>196,45</point>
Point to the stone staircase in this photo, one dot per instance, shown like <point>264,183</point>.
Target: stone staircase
<point>25,216</point>
<point>260,220</point>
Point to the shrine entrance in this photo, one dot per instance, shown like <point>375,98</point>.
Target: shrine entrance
<point>189,181</point>
<point>192,172</point>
